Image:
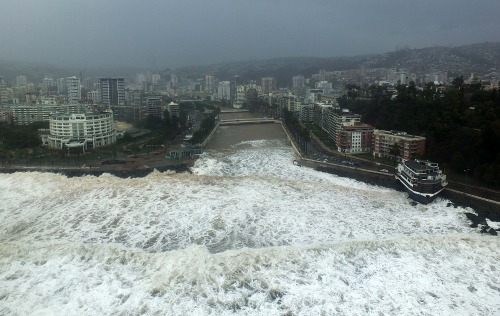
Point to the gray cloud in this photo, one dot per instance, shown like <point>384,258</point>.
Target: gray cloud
<point>172,33</point>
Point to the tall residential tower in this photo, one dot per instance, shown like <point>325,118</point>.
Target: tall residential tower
<point>112,91</point>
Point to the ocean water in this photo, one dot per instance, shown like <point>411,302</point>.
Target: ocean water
<point>247,233</point>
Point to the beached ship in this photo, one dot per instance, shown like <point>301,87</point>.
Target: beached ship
<point>422,179</point>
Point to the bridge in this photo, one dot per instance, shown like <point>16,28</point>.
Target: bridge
<point>247,121</point>
<point>233,111</point>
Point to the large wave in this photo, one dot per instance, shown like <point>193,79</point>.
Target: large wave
<point>247,232</point>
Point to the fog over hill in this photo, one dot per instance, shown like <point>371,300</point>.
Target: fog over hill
<point>461,60</point>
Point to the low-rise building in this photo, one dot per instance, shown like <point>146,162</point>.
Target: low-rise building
<point>410,146</point>
<point>27,114</point>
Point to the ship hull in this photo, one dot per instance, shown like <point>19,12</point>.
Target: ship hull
<point>423,198</point>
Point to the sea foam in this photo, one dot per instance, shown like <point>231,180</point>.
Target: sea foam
<point>247,233</point>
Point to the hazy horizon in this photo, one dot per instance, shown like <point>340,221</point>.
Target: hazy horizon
<point>173,34</point>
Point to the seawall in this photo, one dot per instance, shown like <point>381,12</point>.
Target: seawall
<point>483,207</point>
<point>121,173</point>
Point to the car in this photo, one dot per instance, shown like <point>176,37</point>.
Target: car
<point>384,170</point>
<point>377,163</point>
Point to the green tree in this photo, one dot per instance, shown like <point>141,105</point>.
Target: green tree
<point>395,150</point>
<point>457,162</point>
<point>183,116</point>
<point>174,122</point>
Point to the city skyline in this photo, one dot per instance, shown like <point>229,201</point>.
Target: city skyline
<point>173,34</point>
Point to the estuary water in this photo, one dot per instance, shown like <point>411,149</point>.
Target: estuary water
<point>247,233</point>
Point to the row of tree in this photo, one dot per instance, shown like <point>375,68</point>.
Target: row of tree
<point>19,136</point>
<point>299,131</point>
<point>461,123</point>
<point>170,126</point>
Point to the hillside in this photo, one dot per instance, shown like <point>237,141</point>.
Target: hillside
<point>462,60</point>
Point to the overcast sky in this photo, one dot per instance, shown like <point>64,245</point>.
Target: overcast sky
<point>172,33</point>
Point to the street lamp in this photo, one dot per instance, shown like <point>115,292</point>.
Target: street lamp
<point>466,171</point>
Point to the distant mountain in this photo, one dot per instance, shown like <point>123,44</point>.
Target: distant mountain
<point>462,60</point>
<point>476,58</point>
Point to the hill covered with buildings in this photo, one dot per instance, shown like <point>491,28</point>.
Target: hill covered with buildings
<point>479,59</point>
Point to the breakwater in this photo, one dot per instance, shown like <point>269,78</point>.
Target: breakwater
<point>121,173</point>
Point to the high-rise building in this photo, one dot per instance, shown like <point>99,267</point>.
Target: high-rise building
<point>173,109</point>
<point>112,91</point>
<point>338,118</point>
<point>209,83</point>
<point>61,85</point>
<point>154,106</point>
<point>155,78</point>
<point>20,81</point>
<point>268,85</point>
<point>74,89</point>
<point>6,95</point>
<point>299,85</point>
<point>47,83</point>
<point>224,90</point>
<point>88,83</point>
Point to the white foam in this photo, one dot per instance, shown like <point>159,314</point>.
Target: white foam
<point>492,224</point>
<point>248,232</point>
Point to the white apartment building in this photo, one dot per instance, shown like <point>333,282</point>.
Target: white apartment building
<point>306,113</point>
<point>299,85</point>
<point>241,97</point>
<point>74,89</point>
<point>85,130</point>
<point>155,106</point>
<point>337,119</point>
<point>61,85</point>
<point>27,114</point>
<point>268,84</point>
<point>290,102</point>
<point>173,109</point>
<point>209,83</point>
<point>21,80</point>
<point>6,95</point>
<point>224,90</point>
